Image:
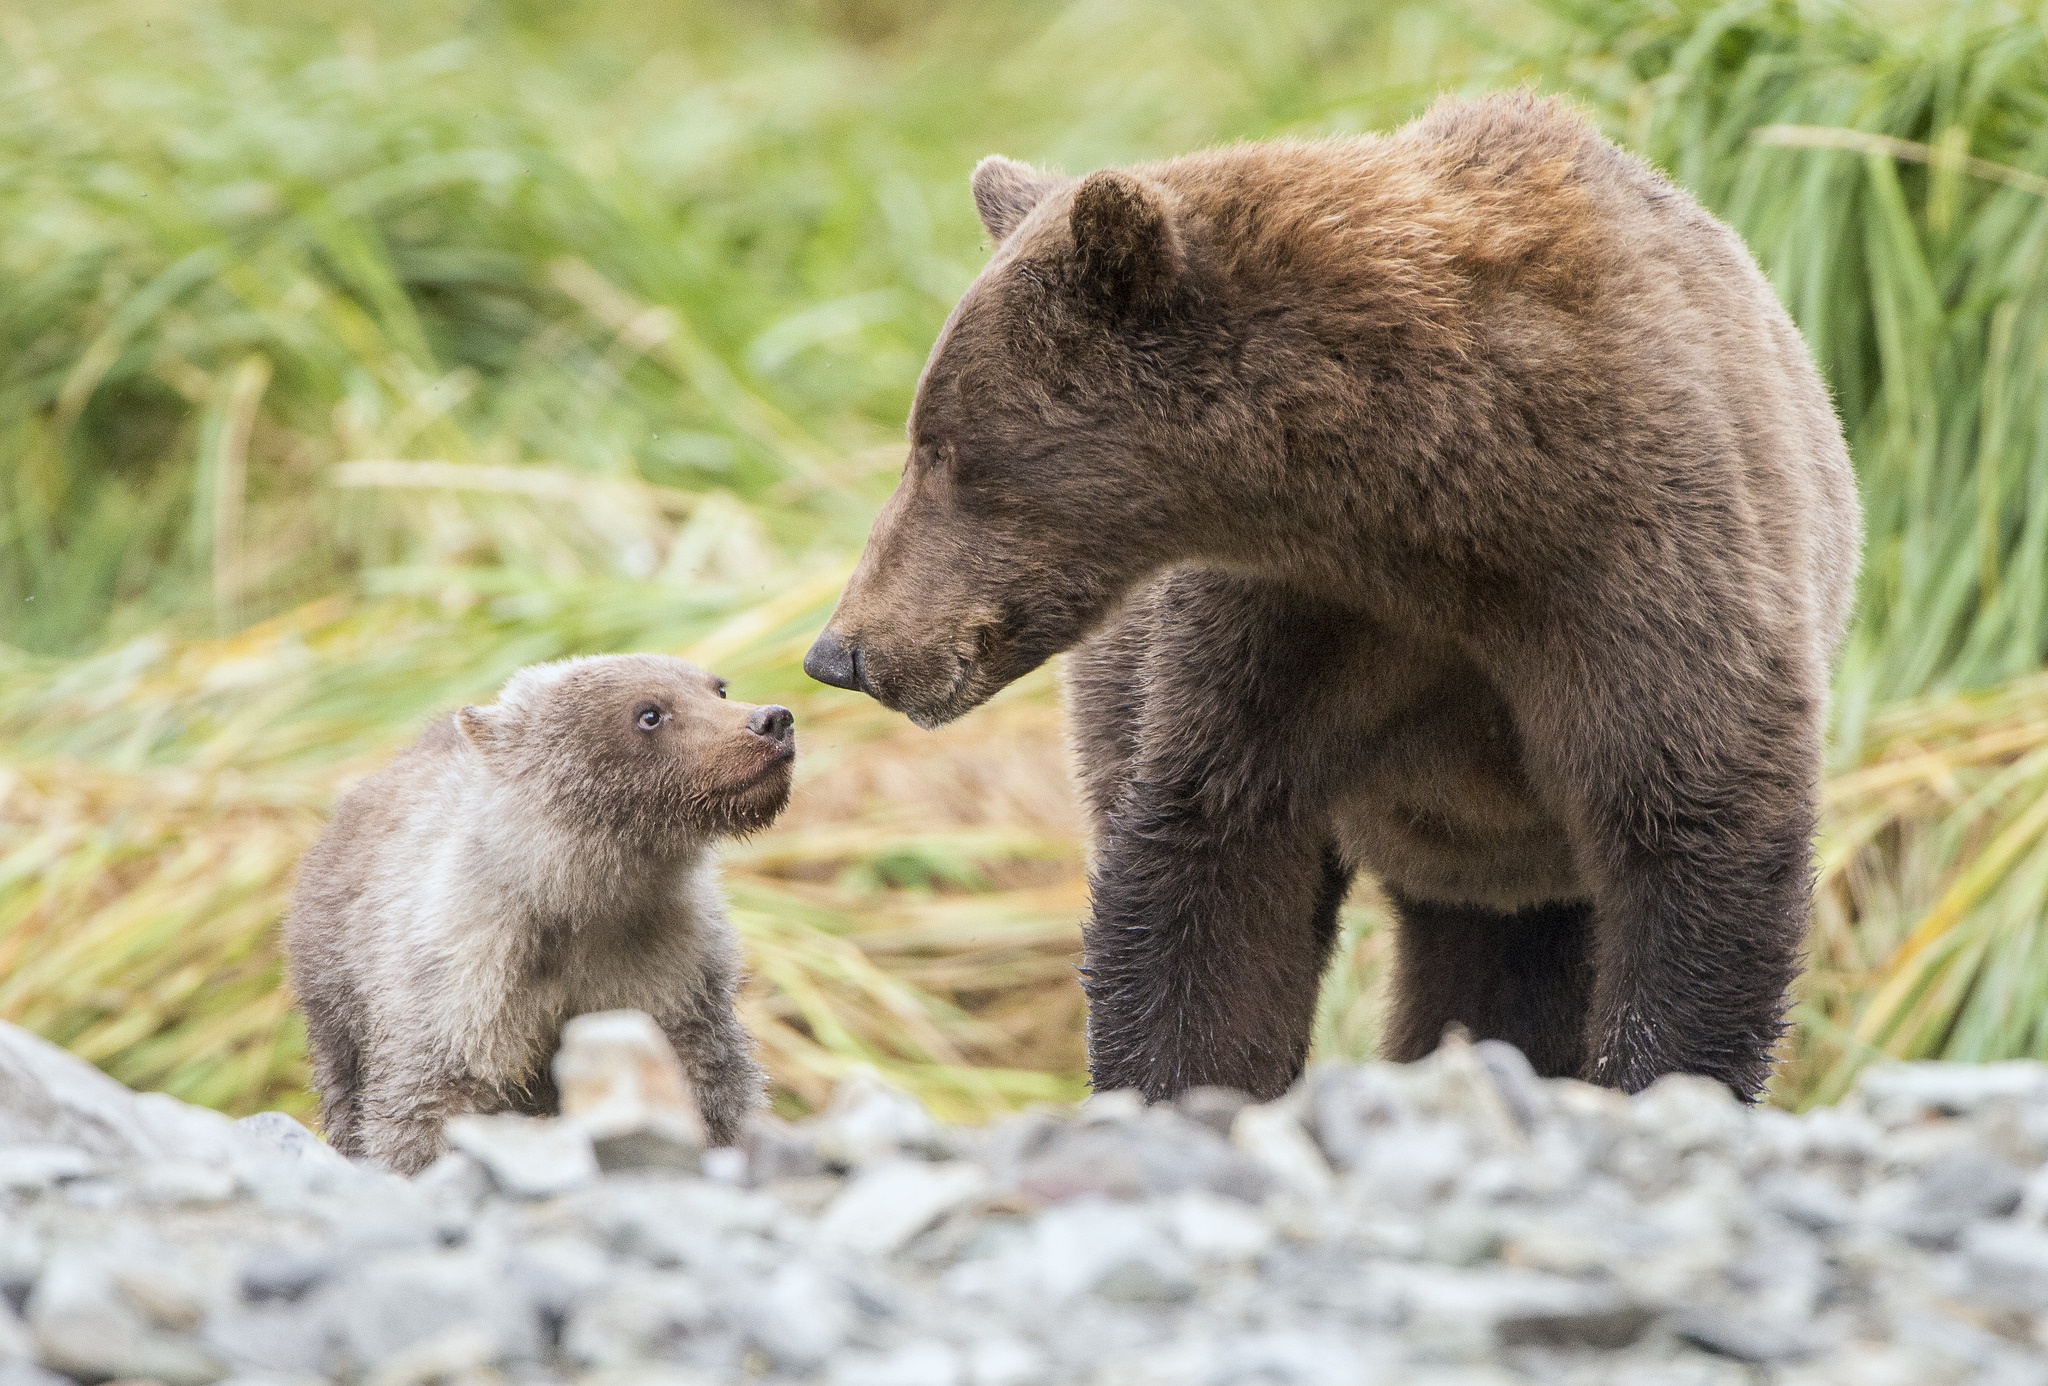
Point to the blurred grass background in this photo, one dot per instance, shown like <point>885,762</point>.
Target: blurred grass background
<point>354,356</point>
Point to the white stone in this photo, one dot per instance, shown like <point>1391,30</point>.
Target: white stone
<point>50,1097</point>
<point>1270,1133</point>
<point>1005,1361</point>
<point>868,1120</point>
<point>621,1082</point>
<point>87,1321</point>
<point>28,1167</point>
<point>528,1157</point>
<point>1686,1112</point>
<point>1904,1092</point>
<point>926,1362</point>
<point>1213,1228</point>
<point>798,1317</point>
<point>889,1202</point>
<point>1093,1246</point>
<point>637,1316</point>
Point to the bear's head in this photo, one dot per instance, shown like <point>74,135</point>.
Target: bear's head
<point>643,749</point>
<point>1056,447</point>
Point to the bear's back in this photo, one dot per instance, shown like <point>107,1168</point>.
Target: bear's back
<point>1505,240</point>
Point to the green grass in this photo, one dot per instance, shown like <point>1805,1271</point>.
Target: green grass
<point>350,362</point>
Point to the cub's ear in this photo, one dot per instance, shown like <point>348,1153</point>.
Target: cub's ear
<point>1129,254</point>
<point>483,727</point>
<point>1005,191</point>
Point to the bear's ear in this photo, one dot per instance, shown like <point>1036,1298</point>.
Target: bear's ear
<point>1129,254</point>
<point>485,728</point>
<point>1005,191</point>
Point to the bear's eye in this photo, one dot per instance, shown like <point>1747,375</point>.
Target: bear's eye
<point>649,717</point>
<point>721,688</point>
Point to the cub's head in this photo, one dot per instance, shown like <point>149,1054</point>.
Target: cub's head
<point>644,747</point>
<point>1050,447</point>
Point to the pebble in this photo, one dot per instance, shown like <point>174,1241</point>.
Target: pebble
<point>887,1204</point>
<point>620,1081</point>
<point>1455,1222</point>
<point>527,1157</point>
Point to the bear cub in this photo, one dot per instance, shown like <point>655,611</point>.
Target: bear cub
<point>522,864</point>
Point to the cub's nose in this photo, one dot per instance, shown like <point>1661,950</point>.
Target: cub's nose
<point>775,723</point>
<point>832,661</point>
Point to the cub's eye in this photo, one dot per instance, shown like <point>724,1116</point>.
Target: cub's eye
<point>721,688</point>
<point>649,717</point>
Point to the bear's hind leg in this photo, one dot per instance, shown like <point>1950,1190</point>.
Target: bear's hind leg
<point>1524,977</point>
<point>1687,761</point>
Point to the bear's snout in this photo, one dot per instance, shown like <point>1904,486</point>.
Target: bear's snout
<point>834,662</point>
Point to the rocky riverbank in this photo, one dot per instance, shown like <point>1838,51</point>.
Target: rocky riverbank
<point>1452,1222</point>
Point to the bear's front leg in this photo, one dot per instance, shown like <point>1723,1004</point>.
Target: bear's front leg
<point>1689,766</point>
<point>1215,886</point>
<point>1204,952</point>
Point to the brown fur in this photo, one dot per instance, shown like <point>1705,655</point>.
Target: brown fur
<point>1458,505</point>
<point>521,864</point>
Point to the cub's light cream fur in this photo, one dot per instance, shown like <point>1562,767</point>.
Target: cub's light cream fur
<point>520,864</point>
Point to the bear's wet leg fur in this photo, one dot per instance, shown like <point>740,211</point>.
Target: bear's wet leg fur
<point>1215,887</point>
<point>1524,976</point>
<point>1689,760</point>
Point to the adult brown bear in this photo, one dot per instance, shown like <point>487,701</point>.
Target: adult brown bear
<point>1459,505</point>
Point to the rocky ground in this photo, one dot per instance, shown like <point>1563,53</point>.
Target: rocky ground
<point>1454,1221</point>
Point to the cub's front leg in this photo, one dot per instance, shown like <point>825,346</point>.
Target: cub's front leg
<point>703,1026</point>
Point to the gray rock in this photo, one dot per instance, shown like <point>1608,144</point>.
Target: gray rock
<point>1899,1093</point>
<point>1470,1312</point>
<point>1746,1337</point>
<point>49,1097</point>
<point>2008,1265</point>
<point>1151,1153</point>
<point>1455,1223</point>
<point>1215,1108</point>
<point>891,1201</point>
<point>798,1317</point>
<point>1955,1191</point>
<point>1521,1091</point>
<point>1271,1135</point>
<point>287,1136</point>
<point>33,1167</point>
<point>457,1180</point>
<point>119,1311</point>
<point>777,1150</point>
<point>286,1273</point>
<point>868,1119</point>
<point>1809,1200</point>
<point>396,1303</point>
<point>925,1362</point>
<point>21,1371</point>
<point>1094,1247</point>
<point>527,1157</point>
<point>17,1343</point>
<point>637,1317</point>
<point>1003,1360</point>
<point>622,1083</point>
<point>272,1339</point>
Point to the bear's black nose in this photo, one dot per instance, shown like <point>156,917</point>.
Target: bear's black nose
<point>775,723</point>
<point>832,661</point>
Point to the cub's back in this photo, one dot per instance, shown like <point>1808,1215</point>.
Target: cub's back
<point>374,848</point>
